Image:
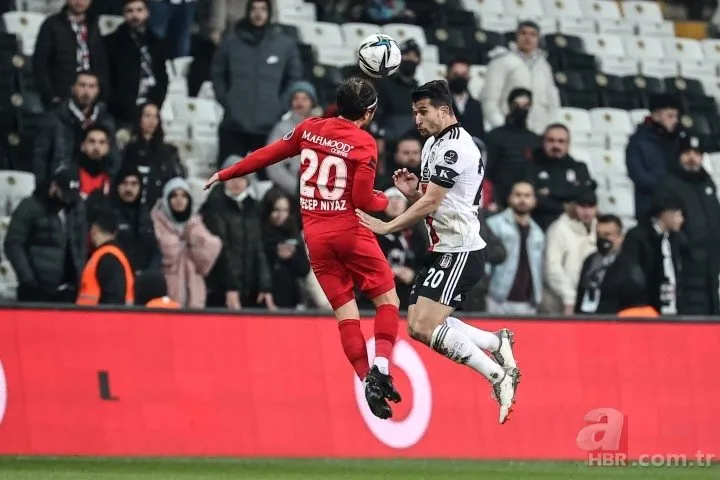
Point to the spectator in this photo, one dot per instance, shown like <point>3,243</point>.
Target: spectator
<point>284,250</point>
<point>510,146</point>
<point>516,283</point>
<point>382,12</point>
<point>394,113</point>
<point>466,108</point>
<point>302,99</point>
<point>655,246</point>
<point>46,240</point>
<point>137,72</point>
<point>188,249</point>
<point>249,118</point>
<point>151,291</point>
<point>68,42</point>
<point>701,259</point>
<point>107,278</point>
<point>171,20</point>
<point>64,128</point>
<point>147,151</point>
<point>522,65</point>
<point>403,249</point>
<point>558,178</point>
<point>136,235</point>
<point>407,155</point>
<point>224,15</point>
<point>495,254</point>
<point>92,162</point>
<point>570,239</point>
<point>232,212</point>
<point>605,274</point>
<point>652,150</point>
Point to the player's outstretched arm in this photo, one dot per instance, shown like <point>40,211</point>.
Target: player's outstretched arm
<point>423,207</point>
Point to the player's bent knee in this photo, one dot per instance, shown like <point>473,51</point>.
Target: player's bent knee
<point>419,331</point>
<point>387,298</point>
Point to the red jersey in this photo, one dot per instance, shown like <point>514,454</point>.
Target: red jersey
<point>337,171</point>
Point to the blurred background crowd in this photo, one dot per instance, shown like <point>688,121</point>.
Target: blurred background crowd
<point>598,121</point>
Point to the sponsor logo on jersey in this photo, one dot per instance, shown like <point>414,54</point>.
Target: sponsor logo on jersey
<point>446,260</point>
<point>450,157</point>
<point>289,135</point>
<point>336,147</point>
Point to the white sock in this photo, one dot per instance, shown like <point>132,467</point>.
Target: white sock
<point>481,338</point>
<point>383,365</point>
<point>460,349</point>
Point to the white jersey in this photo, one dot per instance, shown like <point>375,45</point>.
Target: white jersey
<point>452,160</point>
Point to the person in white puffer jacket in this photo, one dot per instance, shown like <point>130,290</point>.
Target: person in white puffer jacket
<point>522,65</point>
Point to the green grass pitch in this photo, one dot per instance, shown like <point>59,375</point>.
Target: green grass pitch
<point>35,468</point>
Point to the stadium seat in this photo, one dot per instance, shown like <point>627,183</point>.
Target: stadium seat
<point>576,25</point>
<point>616,140</point>
<point>588,140</point>
<point>175,132</point>
<point>611,120</point>
<point>498,22</point>
<point>638,47</point>
<point>428,72</point>
<point>547,24</point>
<point>619,27</point>
<point>523,9</point>
<point>620,66</point>
<point>335,55</point>
<point>303,12</point>
<point>456,18</point>
<point>8,281</point>
<point>604,45</point>
<point>477,80</point>
<point>109,23</point>
<point>644,87</point>
<point>683,49</point>
<point>638,115</point>
<point>321,34</point>
<point>577,89</point>
<point>665,29</point>
<point>484,7</point>
<point>179,67</point>
<point>14,186</point>
<point>696,69</point>
<point>562,9</point>
<point>195,111</point>
<point>481,43</point>
<point>576,119</point>
<point>658,67</point>
<point>326,79</point>
<point>354,33</point>
<point>611,89</point>
<point>619,201</point>
<point>431,53</point>
<point>402,32</point>
<point>25,25</point>
<point>642,11</point>
<point>711,49</point>
<point>610,162</point>
<point>206,91</point>
<point>601,10</point>
<point>4,225</point>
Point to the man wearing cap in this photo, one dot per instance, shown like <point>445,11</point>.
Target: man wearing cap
<point>394,113</point>
<point>691,183</point>
<point>510,146</point>
<point>46,242</point>
<point>652,150</point>
<point>523,65</point>
<point>655,246</point>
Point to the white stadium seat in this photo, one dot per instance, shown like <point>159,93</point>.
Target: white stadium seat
<point>577,26</point>
<point>321,33</point>
<point>576,119</point>
<point>8,281</point>
<point>303,12</point>
<point>642,11</point>
<point>179,67</point>
<point>428,72</point>
<point>4,225</point>
<point>659,67</point>
<point>195,111</point>
<point>620,66</point>
<point>619,27</point>
<point>562,9</point>
<point>605,45</point>
<point>616,140</point>
<point>523,9</point>
<point>494,22</point>
<point>548,25</point>
<point>403,31</point>
<point>711,49</point>
<point>611,120</point>
<point>25,25</point>
<point>431,53</point>
<point>683,49</point>
<point>335,55</point>
<point>600,9</point>
<point>641,48</point>
<point>618,201</point>
<point>697,69</point>
<point>638,115</point>
<point>109,23</point>
<point>588,140</point>
<point>665,29</point>
<point>355,33</point>
<point>14,187</point>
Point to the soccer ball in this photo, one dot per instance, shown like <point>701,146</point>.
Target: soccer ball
<point>379,55</point>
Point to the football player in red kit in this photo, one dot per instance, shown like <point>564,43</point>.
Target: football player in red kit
<point>337,173</point>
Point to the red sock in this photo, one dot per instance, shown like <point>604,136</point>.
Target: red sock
<point>386,329</point>
<point>353,343</point>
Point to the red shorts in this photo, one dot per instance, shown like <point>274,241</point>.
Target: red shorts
<point>349,257</point>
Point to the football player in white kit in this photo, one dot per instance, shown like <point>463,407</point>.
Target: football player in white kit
<point>445,198</point>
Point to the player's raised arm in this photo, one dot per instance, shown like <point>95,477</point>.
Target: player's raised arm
<point>286,147</point>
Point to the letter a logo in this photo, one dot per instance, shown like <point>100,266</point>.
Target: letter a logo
<point>605,432</point>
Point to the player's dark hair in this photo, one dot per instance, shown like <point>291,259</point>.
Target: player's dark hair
<point>437,91</point>
<point>609,218</point>
<point>354,97</point>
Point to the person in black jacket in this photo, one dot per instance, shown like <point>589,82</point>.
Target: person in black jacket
<point>147,152</point>
<point>606,274</point>
<point>701,259</point>
<point>467,109</point>
<point>137,72</point>
<point>68,42</point>
<point>63,129</point>
<point>46,241</point>
<point>558,178</point>
<point>510,147</point>
<point>655,246</point>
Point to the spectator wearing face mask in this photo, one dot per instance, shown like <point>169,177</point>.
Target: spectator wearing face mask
<point>46,240</point>
<point>510,147</point>
<point>690,182</point>
<point>468,110</point>
<point>302,98</point>
<point>516,284</point>
<point>655,246</point>
<point>394,113</point>
<point>606,274</point>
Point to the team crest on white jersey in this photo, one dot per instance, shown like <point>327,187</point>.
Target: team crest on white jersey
<point>446,260</point>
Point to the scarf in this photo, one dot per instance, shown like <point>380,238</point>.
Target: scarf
<point>85,121</point>
<point>147,78</point>
<point>82,55</point>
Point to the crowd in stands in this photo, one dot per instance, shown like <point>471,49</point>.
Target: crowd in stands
<point>116,216</point>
